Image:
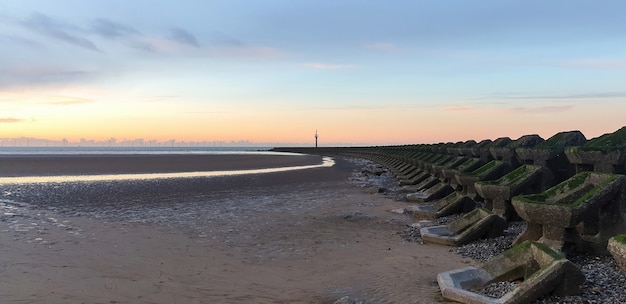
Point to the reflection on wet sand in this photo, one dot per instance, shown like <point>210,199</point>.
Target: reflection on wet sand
<point>327,162</point>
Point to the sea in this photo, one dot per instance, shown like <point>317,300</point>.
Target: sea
<point>326,162</point>
<point>77,150</point>
<point>200,202</point>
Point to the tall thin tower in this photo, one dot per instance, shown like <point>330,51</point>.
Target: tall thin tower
<point>316,138</point>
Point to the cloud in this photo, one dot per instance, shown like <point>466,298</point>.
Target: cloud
<point>109,29</point>
<point>542,110</point>
<point>20,75</point>
<point>11,120</point>
<point>52,99</point>
<point>49,27</point>
<point>487,110</point>
<point>182,36</point>
<point>327,66</point>
<point>593,95</point>
<point>383,47</point>
<point>459,109</point>
<point>172,47</point>
<point>57,100</point>
<point>21,41</point>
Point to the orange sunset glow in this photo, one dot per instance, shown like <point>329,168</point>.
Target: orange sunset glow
<point>208,74</point>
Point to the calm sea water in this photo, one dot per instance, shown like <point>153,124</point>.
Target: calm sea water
<point>134,150</point>
<point>326,162</point>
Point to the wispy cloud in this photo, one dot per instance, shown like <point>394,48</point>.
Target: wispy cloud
<point>591,95</point>
<point>21,41</point>
<point>328,66</point>
<point>507,110</point>
<point>42,72</point>
<point>11,120</point>
<point>459,109</point>
<point>41,98</point>
<point>26,75</point>
<point>181,47</point>
<point>110,29</point>
<point>383,47</point>
<point>56,100</point>
<point>49,27</point>
<point>542,110</point>
<point>183,36</point>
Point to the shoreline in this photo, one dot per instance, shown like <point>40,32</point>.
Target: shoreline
<point>96,164</point>
<point>306,236</point>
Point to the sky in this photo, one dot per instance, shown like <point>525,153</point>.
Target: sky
<point>275,71</point>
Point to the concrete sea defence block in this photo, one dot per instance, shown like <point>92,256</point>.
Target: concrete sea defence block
<point>617,248</point>
<point>472,226</point>
<point>498,193</point>
<point>436,191</point>
<point>532,268</point>
<point>453,203</point>
<point>584,211</point>
<point>606,153</point>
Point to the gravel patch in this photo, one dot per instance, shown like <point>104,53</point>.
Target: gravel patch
<point>495,290</point>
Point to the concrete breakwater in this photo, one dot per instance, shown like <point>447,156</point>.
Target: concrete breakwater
<point>569,190</point>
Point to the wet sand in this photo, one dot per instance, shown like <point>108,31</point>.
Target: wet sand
<point>290,237</point>
<point>45,165</point>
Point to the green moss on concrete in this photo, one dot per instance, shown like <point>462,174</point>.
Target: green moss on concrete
<point>563,187</point>
<point>561,140</point>
<point>607,142</point>
<point>500,142</point>
<point>577,181</point>
<point>526,245</point>
<point>620,238</point>
<point>471,162</point>
<point>545,248</point>
<point>486,168</point>
<point>526,141</point>
<point>512,176</point>
<point>592,192</point>
<point>522,246</point>
<point>443,160</point>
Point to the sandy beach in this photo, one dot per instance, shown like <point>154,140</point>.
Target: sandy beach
<point>307,236</point>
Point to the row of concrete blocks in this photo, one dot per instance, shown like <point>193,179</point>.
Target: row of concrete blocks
<point>584,210</point>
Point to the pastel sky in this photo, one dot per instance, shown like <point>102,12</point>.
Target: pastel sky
<point>274,71</point>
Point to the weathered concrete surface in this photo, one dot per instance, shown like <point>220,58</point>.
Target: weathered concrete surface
<point>438,190</point>
<point>453,203</point>
<point>492,170</point>
<point>507,153</point>
<point>437,169</point>
<point>423,185</point>
<point>481,150</point>
<point>617,248</point>
<point>472,226</point>
<point>449,174</point>
<point>549,154</point>
<point>536,268</point>
<point>583,211</point>
<point>498,193</point>
<point>416,179</point>
<point>606,153</point>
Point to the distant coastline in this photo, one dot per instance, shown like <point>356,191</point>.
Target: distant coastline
<point>75,150</point>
